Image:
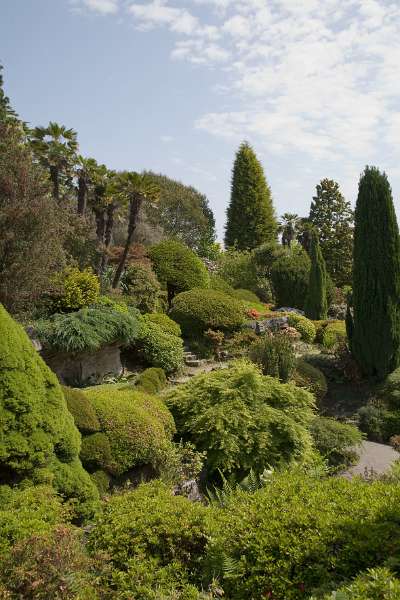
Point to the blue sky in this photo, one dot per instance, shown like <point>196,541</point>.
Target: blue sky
<point>175,85</point>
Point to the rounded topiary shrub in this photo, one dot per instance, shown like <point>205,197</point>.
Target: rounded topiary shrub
<point>140,283</point>
<point>290,275</point>
<point>311,378</point>
<point>80,408</point>
<point>390,390</point>
<point>336,442</point>
<point>151,380</point>
<point>202,309</point>
<point>158,348</point>
<point>155,542</point>
<point>165,322</point>
<point>275,355</point>
<point>78,289</point>
<point>304,326</point>
<point>243,420</point>
<point>138,426</point>
<point>39,440</point>
<point>221,285</point>
<point>96,452</point>
<point>333,333</point>
<point>246,296</point>
<point>177,267</point>
<point>101,479</point>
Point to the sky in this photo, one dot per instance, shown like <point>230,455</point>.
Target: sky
<point>174,86</point>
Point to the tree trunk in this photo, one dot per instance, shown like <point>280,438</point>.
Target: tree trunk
<point>134,209</point>
<point>82,194</point>
<point>54,176</point>
<point>100,234</point>
<point>109,225</point>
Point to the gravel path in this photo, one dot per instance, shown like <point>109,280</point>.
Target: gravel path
<point>373,457</point>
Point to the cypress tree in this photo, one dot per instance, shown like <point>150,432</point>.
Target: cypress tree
<point>251,219</point>
<point>374,327</point>
<point>316,306</point>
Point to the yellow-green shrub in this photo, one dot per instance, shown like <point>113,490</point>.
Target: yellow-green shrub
<point>304,326</point>
<point>81,409</point>
<point>164,322</point>
<point>311,378</point>
<point>78,289</point>
<point>151,380</point>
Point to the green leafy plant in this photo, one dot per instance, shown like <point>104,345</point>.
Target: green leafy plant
<point>290,278</point>
<point>82,411</point>
<point>165,323</point>
<point>275,355</point>
<point>140,283</point>
<point>151,380</point>
<point>78,289</point>
<point>311,378</point>
<point>246,295</point>
<point>374,584</point>
<point>158,348</point>
<point>304,326</point>
<point>200,309</point>
<point>337,442</point>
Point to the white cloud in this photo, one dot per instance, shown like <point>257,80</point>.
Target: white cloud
<point>104,7</point>
<point>157,13</point>
<point>166,139</point>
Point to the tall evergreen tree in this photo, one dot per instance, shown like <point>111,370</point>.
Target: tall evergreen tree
<point>251,219</point>
<point>333,217</point>
<point>316,306</point>
<point>374,327</point>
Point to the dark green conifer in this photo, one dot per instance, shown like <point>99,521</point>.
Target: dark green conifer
<point>316,306</point>
<point>251,219</point>
<point>374,329</point>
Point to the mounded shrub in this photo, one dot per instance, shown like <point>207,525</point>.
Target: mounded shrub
<point>151,381</point>
<point>378,421</point>
<point>246,295</point>
<point>138,426</point>
<point>290,277</point>
<point>304,326</point>
<point>165,322</point>
<point>200,309</point>
<point>177,267</point>
<point>275,356</point>
<point>333,333</point>
<point>374,584</point>
<point>101,479</point>
<point>39,439</point>
<point>300,533</point>
<point>155,540</point>
<point>336,442</point>
<point>242,419</point>
<point>78,289</point>
<point>140,283</point>
<point>220,284</point>
<point>390,390</point>
<point>87,330</point>
<point>96,452</point>
<point>158,348</point>
<point>309,377</point>
<point>80,408</point>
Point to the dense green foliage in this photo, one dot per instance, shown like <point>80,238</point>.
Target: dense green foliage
<point>375,584</point>
<point>378,421</point>
<point>298,534</point>
<point>177,267</point>
<point>80,408</point>
<point>246,295</point>
<point>198,310</point>
<point>275,356</point>
<point>87,330</point>
<point>151,380</point>
<point>140,283</point>
<point>390,389</point>
<point>375,330</point>
<point>332,333</point>
<point>78,289</point>
<point>157,348</point>
<point>155,541</point>
<point>164,322</point>
<point>219,284</point>
<point>251,218</point>
<point>242,419</point>
<point>337,442</point>
<point>316,304</point>
<point>304,326</point>
<point>138,427</point>
<point>39,441</point>
<point>311,378</point>
<point>290,278</point>
<point>96,452</point>
<point>332,217</point>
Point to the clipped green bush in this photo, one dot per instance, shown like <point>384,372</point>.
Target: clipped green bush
<point>378,422</point>
<point>390,390</point>
<point>374,584</point>
<point>246,295</point>
<point>101,479</point>
<point>87,330</point>
<point>151,381</point>
<point>290,276</point>
<point>165,322</point>
<point>80,408</point>
<point>140,283</point>
<point>219,284</point>
<point>275,356</point>
<point>238,269</point>
<point>158,348</point>
<point>39,441</point>
<point>332,333</point>
<point>310,377</point>
<point>177,267</point>
<point>200,309</point>
<point>78,289</point>
<point>242,419</point>
<point>304,326</point>
<point>155,541</point>
<point>300,533</point>
<point>138,426</point>
<point>96,452</point>
<point>336,442</point>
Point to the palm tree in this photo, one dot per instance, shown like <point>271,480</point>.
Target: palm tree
<point>55,147</point>
<point>289,227</point>
<point>135,188</point>
<point>85,173</point>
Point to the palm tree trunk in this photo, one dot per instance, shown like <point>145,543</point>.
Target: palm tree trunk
<point>134,209</point>
<point>82,189</point>
<point>100,234</point>
<point>54,176</point>
<point>109,225</point>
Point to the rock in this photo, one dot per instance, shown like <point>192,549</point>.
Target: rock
<point>190,489</point>
<point>289,310</point>
<point>274,324</point>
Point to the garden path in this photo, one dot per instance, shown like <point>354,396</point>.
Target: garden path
<point>374,459</point>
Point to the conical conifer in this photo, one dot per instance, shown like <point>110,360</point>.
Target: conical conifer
<point>375,326</point>
<point>316,305</point>
<point>251,219</point>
